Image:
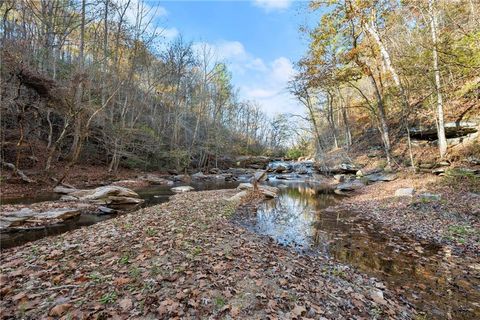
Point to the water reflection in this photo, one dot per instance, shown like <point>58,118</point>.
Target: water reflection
<point>442,285</point>
<point>151,195</point>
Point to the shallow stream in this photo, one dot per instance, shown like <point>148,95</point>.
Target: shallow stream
<point>430,277</point>
<point>151,195</point>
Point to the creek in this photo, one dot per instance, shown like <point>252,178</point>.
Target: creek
<point>430,277</point>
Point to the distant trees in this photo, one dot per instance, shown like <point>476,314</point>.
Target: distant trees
<point>91,79</point>
<point>388,58</point>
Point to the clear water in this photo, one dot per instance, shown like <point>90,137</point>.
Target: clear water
<point>152,195</point>
<point>430,277</point>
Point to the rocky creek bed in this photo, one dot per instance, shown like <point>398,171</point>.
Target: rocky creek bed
<point>434,272</point>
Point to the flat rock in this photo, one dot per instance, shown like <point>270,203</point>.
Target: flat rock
<point>104,192</point>
<point>237,197</point>
<point>381,177</point>
<point>64,190</point>
<point>404,192</point>
<point>106,210</point>
<point>350,186</point>
<point>8,221</point>
<point>182,189</point>
<point>62,213</point>
<point>122,200</point>
<point>156,180</point>
<point>245,186</point>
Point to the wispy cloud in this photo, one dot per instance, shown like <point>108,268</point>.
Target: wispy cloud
<point>272,5</point>
<point>265,82</point>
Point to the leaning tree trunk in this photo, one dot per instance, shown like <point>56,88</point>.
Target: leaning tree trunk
<point>372,29</point>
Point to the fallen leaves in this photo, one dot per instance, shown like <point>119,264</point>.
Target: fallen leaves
<point>59,310</point>
<point>198,265</point>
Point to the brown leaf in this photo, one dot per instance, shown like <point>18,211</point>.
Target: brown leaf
<point>234,311</point>
<point>19,296</point>
<point>121,281</point>
<point>126,304</point>
<point>298,310</point>
<point>59,310</point>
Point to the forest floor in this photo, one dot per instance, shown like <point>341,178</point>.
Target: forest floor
<point>445,210</point>
<point>81,176</point>
<point>182,259</point>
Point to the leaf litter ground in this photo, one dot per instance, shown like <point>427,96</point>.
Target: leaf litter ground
<point>182,259</point>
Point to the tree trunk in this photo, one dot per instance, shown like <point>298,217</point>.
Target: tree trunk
<point>372,29</point>
<point>442,140</point>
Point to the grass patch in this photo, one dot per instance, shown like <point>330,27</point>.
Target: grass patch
<point>460,233</point>
<point>108,298</point>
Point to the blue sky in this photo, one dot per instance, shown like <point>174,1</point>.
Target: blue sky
<point>258,39</point>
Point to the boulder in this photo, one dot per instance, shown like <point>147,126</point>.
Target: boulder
<point>381,177</point>
<point>267,191</point>
<point>106,210</point>
<point>339,177</point>
<point>280,169</point>
<point>131,183</point>
<point>180,178</point>
<point>473,160</point>
<point>156,180</point>
<point>438,171</point>
<point>404,192</point>
<point>199,176</point>
<point>245,186</point>
<point>452,130</point>
<point>214,171</point>
<point>289,176</point>
<point>104,192</point>
<point>429,197</point>
<point>62,213</point>
<point>64,190</point>
<point>182,189</point>
<point>350,186</point>
<point>68,198</point>
<point>114,200</point>
<point>238,196</point>
<point>10,221</point>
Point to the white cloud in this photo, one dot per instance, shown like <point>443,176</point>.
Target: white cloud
<point>257,80</point>
<point>169,33</point>
<point>270,88</point>
<point>143,10</point>
<point>234,54</point>
<point>271,5</point>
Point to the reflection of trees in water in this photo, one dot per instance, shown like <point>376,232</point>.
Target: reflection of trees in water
<point>297,216</point>
<point>291,217</point>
